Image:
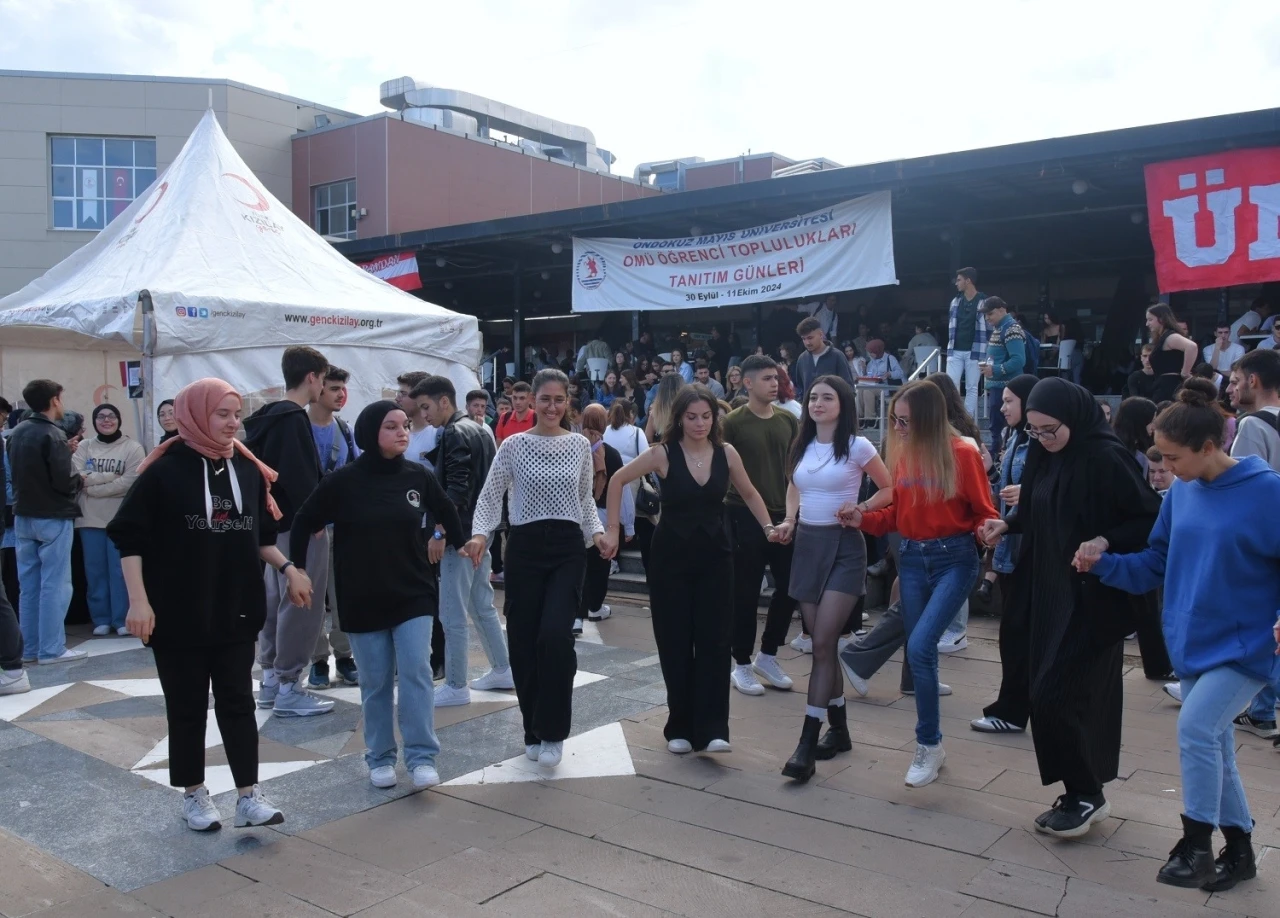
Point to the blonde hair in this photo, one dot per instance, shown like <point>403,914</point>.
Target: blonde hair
<point>660,411</point>
<point>925,457</point>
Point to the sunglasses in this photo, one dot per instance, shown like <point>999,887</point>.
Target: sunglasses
<point>899,421</point>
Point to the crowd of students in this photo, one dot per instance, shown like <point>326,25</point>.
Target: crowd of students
<point>303,537</point>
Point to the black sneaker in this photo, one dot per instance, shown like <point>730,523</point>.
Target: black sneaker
<point>319,677</point>
<point>437,672</point>
<point>347,671</point>
<point>1263,728</point>
<point>1072,815</point>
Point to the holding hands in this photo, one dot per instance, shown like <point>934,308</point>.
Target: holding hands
<point>1088,553</point>
<point>474,549</point>
<point>849,514</point>
<point>991,532</point>
<point>607,544</point>
<point>783,532</point>
<point>299,585</point>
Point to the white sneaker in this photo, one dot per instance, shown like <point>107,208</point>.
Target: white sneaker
<point>679,746</point>
<point>1172,689</point>
<point>199,812</point>
<point>802,642</point>
<point>856,682</point>
<point>256,810</point>
<point>995,725</point>
<point>719,745</point>
<point>924,767</point>
<point>767,668</point>
<point>447,696</point>
<point>493,680</point>
<point>11,684</point>
<point>102,631</point>
<point>744,681</point>
<point>866,617</point>
<point>67,657</point>
<point>577,627</point>
<point>951,642</point>
<point>600,614</point>
<point>122,631</point>
<point>425,776</point>
<point>551,754</point>
<point>383,776</point>
<point>613,568</point>
<point>532,751</point>
<point>943,689</point>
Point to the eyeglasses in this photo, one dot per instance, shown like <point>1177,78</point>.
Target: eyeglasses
<point>1046,434</point>
<point>899,421</point>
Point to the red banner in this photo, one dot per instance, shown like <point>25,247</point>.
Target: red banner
<point>1215,220</point>
<point>398,270</point>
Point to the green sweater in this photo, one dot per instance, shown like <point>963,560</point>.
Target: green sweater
<point>763,445</point>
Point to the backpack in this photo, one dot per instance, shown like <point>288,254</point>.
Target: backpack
<point>345,432</point>
<point>1266,417</point>
<point>1033,353</point>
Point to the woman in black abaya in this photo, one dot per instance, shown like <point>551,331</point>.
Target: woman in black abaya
<point>1080,484</point>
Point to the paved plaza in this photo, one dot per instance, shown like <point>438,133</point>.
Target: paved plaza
<point>89,826</point>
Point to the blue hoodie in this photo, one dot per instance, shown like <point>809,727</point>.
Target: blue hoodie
<point>1216,549</point>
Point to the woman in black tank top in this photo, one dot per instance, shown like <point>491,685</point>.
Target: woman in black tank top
<point>691,566</point>
<point>1173,356</point>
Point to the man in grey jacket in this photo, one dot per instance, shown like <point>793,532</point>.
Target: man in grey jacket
<point>45,487</point>
<point>819,359</point>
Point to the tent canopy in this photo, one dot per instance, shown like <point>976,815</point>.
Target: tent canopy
<point>234,278</point>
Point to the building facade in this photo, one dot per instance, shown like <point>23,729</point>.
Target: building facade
<point>76,149</point>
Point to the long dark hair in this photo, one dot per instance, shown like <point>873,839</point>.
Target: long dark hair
<point>846,423</point>
<point>956,413</point>
<point>689,394</point>
<point>1168,321</point>
<point>1131,421</point>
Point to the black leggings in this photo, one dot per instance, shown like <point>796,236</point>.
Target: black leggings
<point>185,677</point>
<point>825,620</point>
<point>545,564</point>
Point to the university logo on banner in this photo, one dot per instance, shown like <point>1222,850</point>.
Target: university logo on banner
<point>1215,220</point>
<point>399,270</point>
<point>845,247</point>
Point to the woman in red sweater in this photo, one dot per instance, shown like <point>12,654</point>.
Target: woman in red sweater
<point>941,500</point>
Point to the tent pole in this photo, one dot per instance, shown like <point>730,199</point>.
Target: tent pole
<point>147,423</point>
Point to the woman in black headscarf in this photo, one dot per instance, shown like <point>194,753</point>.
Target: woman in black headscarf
<point>168,422</point>
<point>385,586</point>
<point>1011,709</point>
<point>1080,484</point>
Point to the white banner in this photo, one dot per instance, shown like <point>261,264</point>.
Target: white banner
<point>845,247</point>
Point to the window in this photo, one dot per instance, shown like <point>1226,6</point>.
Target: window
<point>333,206</point>
<point>95,178</point>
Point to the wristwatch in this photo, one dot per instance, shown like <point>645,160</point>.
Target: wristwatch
<point>284,567</point>
<point>437,536</point>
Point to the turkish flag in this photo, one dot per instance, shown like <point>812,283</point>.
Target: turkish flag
<point>120,184</point>
<point>1215,220</point>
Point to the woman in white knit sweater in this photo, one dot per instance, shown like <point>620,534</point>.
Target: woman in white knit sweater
<point>108,463</point>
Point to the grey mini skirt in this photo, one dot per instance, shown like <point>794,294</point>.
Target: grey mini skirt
<point>827,558</point>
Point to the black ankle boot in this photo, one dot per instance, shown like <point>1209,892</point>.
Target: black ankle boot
<point>837,738</point>
<point>1191,860</point>
<point>800,766</point>
<point>1235,862</point>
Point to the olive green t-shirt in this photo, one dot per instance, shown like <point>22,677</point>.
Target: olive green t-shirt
<point>763,445</point>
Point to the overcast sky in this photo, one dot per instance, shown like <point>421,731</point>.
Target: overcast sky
<point>852,81</point>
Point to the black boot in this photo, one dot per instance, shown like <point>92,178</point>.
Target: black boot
<point>1191,860</point>
<point>1235,862</point>
<point>837,738</point>
<point>800,766</point>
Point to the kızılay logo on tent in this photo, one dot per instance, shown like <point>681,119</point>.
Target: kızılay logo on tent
<point>590,270</point>
<point>260,205</point>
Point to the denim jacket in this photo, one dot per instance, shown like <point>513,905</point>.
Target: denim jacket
<point>1015,457</point>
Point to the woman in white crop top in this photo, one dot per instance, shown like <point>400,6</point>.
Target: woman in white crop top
<point>829,566</point>
<point>549,471</point>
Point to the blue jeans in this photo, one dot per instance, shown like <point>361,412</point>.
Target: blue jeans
<point>108,599</point>
<point>465,588</point>
<point>44,578</point>
<point>935,577</point>
<point>1264,703</point>
<point>1211,787</point>
<point>406,648</point>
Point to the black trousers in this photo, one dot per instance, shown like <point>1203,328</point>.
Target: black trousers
<point>10,634</point>
<point>1155,655</point>
<point>644,539</point>
<point>545,567</point>
<point>753,552</point>
<point>1013,704</point>
<point>595,584</point>
<point>185,677</point>
<point>692,607</point>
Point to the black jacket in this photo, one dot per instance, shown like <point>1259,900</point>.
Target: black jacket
<point>200,560</point>
<point>463,456</point>
<point>44,483</point>
<point>280,435</point>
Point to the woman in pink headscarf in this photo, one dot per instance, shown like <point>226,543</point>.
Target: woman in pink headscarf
<point>192,533</point>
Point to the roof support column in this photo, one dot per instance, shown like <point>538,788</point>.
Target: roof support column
<point>517,322</point>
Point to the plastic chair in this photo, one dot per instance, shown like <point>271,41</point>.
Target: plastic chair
<point>1065,350</point>
<point>597,367</point>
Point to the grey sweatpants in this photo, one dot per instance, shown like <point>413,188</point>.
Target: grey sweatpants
<point>288,639</point>
<point>332,637</point>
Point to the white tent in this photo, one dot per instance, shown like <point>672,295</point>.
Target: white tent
<point>206,274</point>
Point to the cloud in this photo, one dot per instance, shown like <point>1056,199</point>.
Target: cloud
<point>855,83</point>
